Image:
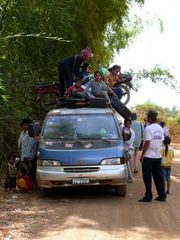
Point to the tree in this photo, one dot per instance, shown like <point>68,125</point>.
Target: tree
<point>156,74</point>
<point>142,109</point>
<point>34,35</point>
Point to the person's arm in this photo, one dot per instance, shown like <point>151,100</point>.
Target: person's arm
<point>87,89</point>
<point>30,151</point>
<point>145,148</point>
<point>146,144</point>
<point>109,83</point>
<point>104,86</point>
<point>77,64</point>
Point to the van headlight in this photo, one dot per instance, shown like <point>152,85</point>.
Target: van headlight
<point>48,163</point>
<point>112,161</point>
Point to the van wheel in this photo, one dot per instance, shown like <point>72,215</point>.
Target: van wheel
<point>121,190</point>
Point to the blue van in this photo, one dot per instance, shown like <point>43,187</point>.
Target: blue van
<point>81,146</point>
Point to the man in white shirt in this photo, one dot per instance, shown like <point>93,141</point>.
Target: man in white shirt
<point>151,159</point>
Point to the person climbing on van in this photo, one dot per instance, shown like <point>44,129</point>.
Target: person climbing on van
<point>128,138</point>
<point>69,68</point>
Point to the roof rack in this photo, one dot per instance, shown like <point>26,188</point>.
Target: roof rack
<point>91,102</point>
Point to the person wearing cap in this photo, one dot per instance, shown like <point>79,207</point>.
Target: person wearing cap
<point>27,145</point>
<point>69,68</point>
<point>151,159</point>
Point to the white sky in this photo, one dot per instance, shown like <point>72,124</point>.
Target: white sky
<point>154,48</point>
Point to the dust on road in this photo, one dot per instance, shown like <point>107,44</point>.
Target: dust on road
<point>92,214</point>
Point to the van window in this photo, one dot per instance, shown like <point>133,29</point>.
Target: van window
<point>81,126</point>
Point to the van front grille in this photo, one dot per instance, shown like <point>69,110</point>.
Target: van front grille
<point>82,169</point>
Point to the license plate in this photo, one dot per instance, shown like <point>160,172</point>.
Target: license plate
<point>80,181</point>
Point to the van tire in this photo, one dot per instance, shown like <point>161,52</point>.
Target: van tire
<point>120,191</point>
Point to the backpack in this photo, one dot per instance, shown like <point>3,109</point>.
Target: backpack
<point>126,133</point>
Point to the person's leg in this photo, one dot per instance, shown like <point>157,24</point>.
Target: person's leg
<point>29,165</point>
<point>168,187</point>
<point>120,107</point>
<point>118,91</point>
<point>147,177</point>
<point>164,177</point>
<point>135,160</point>
<point>127,158</point>
<point>81,95</point>
<point>12,183</point>
<point>7,183</point>
<point>158,178</point>
<point>131,152</point>
<point>168,179</point>
<point>32,173</point>
<point>130,177</point>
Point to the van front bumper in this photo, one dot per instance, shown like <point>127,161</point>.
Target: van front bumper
<point>106,175</point>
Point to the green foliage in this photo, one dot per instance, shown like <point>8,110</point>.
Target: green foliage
<point>156,74</point>
<point>35,34</point>
<point>171,119</point>
<point>142,109</point>
<point>177,119</point>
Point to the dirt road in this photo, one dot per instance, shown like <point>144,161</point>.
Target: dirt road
<point>92,214</point>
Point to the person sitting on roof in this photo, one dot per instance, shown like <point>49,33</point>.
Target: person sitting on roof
<point>113,78</point>
<point>76,90</point>
<point>97,87</point>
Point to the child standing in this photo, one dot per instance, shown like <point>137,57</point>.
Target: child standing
<point>128,138</point>
<point>10,181</point>
<point>167,153</point>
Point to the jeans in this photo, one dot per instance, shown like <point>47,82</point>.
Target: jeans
<point>151,167</point>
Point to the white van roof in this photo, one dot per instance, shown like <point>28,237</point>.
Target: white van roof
<point>83,110</point>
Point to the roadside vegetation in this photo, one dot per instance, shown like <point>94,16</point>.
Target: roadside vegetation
<point>34,35</point>
<point>170,116</point>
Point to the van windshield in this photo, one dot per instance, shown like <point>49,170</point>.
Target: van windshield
<point>81,127</point>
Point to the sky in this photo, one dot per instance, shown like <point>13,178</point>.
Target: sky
<point>153,47</point>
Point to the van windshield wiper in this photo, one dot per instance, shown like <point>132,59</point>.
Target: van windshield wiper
<point>95,138</point>
<point>67,137</point>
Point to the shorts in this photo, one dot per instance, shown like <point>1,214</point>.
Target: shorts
<point>167,174</point>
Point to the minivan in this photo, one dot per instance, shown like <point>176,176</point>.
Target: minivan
<point>81,147</point>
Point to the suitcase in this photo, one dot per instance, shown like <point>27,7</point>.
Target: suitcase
<point>97,102</point>
<point>75,102</point>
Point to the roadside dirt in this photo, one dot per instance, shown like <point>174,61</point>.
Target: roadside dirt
<point>86,214</point>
